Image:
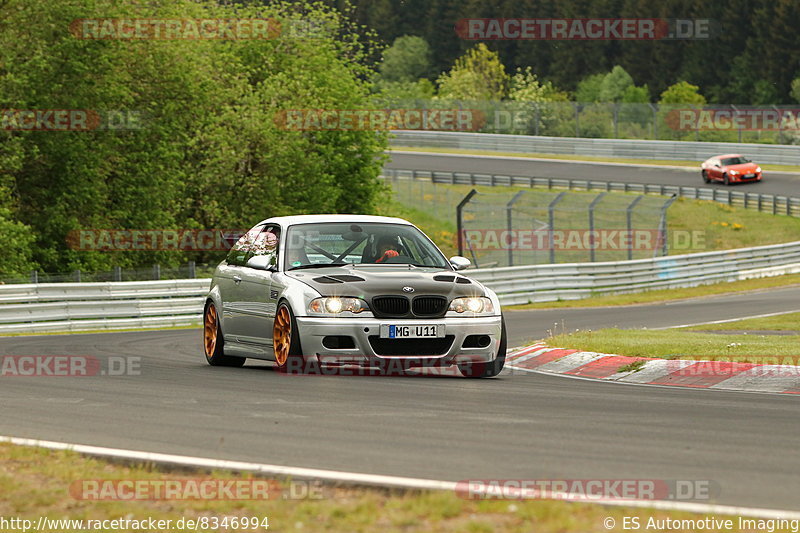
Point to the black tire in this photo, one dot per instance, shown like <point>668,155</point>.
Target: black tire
<point>491,369</point>
<point>726,180</point>
<point>706,179</point>
<point>293,361</point>
<point>215,351</point>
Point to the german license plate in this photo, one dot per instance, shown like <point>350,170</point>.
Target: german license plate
<point>411,331</point>
<point>749,175</point>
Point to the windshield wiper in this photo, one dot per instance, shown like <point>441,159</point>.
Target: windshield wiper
<point>318,265</point>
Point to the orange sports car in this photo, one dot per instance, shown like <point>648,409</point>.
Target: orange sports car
<point>730,168</point>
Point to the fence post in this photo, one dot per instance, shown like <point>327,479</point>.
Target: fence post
<point>78,275</point>
<point>591,224</point>
<point>34,276</point>
<point>616,120</point>
<point>551,222</point>
<point>509,224</point>
<point>459,221</point>
<point>537,117</point>
<point>629,224</point>
<point>663,225</point>
<point>156,271</point>
<point>654,107</point>
<point>578,109</point>
<point>192,270</point>
<point>117,273</point>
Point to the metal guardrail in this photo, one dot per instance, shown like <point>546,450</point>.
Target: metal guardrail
<point>775,154</point>
<point>767,203</point>
<point>115,305</point>
<point>575,281</point>
<point>44,307</point>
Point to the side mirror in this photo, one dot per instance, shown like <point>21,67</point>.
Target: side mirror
<point>460,263</point>
<point>261,262</point>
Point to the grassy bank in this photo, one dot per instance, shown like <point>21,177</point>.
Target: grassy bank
<point>36,482</point>
<point>747,341</point>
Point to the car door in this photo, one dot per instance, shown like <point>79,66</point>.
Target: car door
<point>230,285</point>
<point>257,301</point>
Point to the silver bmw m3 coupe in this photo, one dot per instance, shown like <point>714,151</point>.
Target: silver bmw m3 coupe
<point>349,290</point>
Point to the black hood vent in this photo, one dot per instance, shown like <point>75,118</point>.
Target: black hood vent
<point>339,278</point>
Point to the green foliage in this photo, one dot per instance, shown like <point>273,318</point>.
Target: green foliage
<point>614,85</point>
<point>682,93</point>
<point>589,88</point>
<point>636,95</point>
<point>526,87</point>
<point>209,153</point>
<point>796,89</point>
<point>477,75</point>
<point>407,60</point>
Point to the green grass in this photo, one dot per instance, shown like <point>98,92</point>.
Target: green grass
<point>571,157</point>
<point>36,482</point>
<point>782,322</point>
<point>684,344</point>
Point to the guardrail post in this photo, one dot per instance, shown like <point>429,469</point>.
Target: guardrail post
<point>774,205</point>
<point>591,224</point>
<point>629,224</point>
<point>509,224</point>
<point>760,197</point>
<point>551,222</point>
<point>663,225</point>
<point>459,221</point>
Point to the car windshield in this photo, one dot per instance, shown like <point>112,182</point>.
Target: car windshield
<point>310,245</point>
<point>734,161</point>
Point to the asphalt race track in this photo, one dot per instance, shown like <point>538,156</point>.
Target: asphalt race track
<point>519,426</point>
<point>782,184</point>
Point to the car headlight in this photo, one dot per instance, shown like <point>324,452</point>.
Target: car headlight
<point>474,306</point>
<point>758,169</point>
<point>336,306</point>
<point>733,172</point>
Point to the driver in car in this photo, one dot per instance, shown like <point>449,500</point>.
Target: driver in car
<point>387,248</point>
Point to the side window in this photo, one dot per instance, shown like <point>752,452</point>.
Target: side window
<point>266,243</point>
<point>239,251</point>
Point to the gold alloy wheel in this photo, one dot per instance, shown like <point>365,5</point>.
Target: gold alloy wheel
<point>282,335</point>
<point>210,330</point>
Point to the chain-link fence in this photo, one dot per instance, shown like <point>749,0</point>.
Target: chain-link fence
<point>527,226</point>
<point>190,270</point>
<point>685,122</point>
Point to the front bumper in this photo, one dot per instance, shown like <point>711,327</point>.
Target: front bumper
<point>370,351</point>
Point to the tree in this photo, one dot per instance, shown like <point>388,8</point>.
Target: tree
<point>526,87</point>
<point>208,150</point>
<point>614,85</point>
<point>796,89</point>
<point>477,75</point>
<point>682,93</point>
<point>589,88</point>
<point>407,60</point>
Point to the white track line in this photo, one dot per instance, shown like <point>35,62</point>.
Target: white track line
<point>376,480</point>
<point>765,315</point>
